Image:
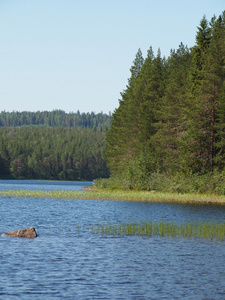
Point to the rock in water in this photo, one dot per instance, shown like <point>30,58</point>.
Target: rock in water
<point>29,233</point>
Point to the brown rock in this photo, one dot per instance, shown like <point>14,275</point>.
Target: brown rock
<point>25,233</point>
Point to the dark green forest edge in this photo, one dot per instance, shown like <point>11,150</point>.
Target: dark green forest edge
<point>168,133</point>
<point>53,145</point>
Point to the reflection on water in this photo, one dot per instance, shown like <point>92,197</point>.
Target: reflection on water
<point>46,185</point>
<point>64,262</point>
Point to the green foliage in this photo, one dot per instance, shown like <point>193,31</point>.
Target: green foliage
<point>53,145</point>
<point>170,122</point>
<point>52,153</point>
<point>209,183</point>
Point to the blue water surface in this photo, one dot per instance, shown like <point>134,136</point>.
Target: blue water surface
<point>46,185</point>
<point>68,261</point>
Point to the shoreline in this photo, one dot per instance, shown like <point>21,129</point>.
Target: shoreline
<point>160,197</point>
<point>89,193</point>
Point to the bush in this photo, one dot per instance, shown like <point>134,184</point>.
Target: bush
<point>209,183</point>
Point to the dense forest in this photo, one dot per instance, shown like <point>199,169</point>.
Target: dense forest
<point>52,153</point>
<point>170,122</point>
<point>56,118</point>
<point>53,145</point>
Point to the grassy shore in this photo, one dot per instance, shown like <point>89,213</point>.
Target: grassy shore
<point>120,195</point>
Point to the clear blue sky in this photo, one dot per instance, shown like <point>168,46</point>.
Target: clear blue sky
<point>76,54</point>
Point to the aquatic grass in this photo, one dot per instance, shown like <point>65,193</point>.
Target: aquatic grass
<point>120,195</point>
<point>206,231</point>
<point>203,230</point>
<point>54,194</point>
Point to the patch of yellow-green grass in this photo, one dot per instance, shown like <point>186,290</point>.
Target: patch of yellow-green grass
<point>55,194</point>
<point>120,195</point>
<point>152,196</point>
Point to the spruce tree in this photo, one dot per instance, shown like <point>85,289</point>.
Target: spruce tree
<point>121,137</point>
<point>171,126</point>
<point>207,78</point>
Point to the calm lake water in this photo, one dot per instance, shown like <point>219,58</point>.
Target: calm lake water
<point>66,263</point>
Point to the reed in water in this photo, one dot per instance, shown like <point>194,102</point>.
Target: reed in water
<point>203,230</point>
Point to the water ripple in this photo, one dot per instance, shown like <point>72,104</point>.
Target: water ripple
<point>67,263</point>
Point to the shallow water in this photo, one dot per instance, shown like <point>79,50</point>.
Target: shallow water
<point>68,261</point>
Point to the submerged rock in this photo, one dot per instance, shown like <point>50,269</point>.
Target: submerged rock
<point>29,233</point>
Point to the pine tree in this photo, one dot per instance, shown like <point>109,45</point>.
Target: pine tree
<point>207,80</point>
<point>171,126</point>
<point>216,84</point>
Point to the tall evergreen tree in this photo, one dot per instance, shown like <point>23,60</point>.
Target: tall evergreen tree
<point>121,138</point>
<point>207,81</point>
<point>171,126</point>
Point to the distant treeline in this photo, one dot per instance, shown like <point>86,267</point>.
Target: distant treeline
<point>55,118</point>
<point>52,153</point>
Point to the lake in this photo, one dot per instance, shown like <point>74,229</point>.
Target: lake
<point>68,261</point>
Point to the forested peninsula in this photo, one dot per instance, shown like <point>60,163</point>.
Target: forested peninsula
<point>53,145</point>
<point>168,132</point>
